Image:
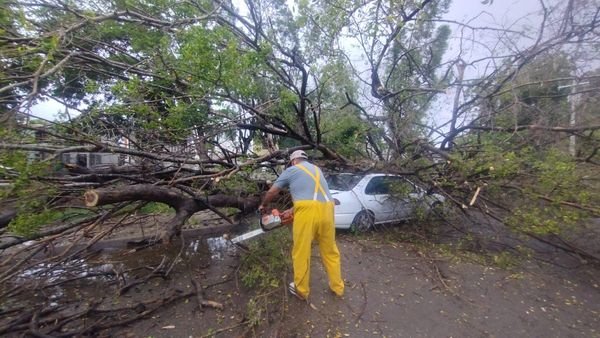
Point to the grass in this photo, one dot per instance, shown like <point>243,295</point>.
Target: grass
<point>264,269</point>
<point>156,208</point>
<point>426,237</point>
<point>267,260</point>
<point>27,224</point>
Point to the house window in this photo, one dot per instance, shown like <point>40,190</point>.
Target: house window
<point>66,158</point>
<point>82,160</point>
<point>95,159</point>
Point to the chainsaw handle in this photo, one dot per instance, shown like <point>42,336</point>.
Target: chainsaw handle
<point>262,225</point>
<point>288,219</point>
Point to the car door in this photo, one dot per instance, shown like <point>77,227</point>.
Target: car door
<point>403,196</point>
<point>376,198</point>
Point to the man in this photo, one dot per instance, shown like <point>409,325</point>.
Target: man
<point>313,219</point>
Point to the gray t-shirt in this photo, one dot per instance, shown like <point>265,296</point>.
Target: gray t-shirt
<point>300,184</point>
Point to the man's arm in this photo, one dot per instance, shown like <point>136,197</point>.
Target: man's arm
<point>274,191</point>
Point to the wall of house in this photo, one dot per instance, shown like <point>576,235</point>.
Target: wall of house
<point>90,160</point>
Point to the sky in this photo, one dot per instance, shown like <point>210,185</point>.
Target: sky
<point>48,109</point>
<point>518,15</point>
<point>501,13</point>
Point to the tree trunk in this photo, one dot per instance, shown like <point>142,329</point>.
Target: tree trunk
<point>6,216</point>
<point>185,206</point>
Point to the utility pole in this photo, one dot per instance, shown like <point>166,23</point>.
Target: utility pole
<point>573,100</point>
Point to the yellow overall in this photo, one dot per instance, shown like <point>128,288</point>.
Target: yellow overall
<point>313,219</point>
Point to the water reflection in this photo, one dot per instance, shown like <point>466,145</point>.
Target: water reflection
<point>218,247</point>
<point>53,272</point>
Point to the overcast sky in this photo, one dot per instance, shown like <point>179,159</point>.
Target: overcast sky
<point>500,12</point>
<point>518,15</point>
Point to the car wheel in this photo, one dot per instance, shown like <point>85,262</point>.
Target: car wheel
<point>437,209</point>
<point>362,222</point>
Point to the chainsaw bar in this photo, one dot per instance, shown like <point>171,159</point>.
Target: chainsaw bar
<point>247,235</point>
<point>268,222</point>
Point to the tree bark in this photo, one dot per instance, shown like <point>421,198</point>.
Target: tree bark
<point>6,216</point>
<point>185,206</point>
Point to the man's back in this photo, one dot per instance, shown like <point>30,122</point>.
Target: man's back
<point>301,185</point>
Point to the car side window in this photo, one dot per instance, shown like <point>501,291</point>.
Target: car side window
<point>394,185</point>
<point>400,187</point>
<point>377,186</point>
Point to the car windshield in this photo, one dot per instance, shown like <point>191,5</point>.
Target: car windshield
<point>343,182</point>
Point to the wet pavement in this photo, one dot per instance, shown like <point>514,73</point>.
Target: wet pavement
<point>393,290</point>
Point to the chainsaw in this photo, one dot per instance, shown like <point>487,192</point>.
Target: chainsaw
<point>267,222</point>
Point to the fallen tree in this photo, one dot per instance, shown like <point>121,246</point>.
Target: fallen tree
<point>197,106</point>
<point>184,205</point>
<point>6,216</point>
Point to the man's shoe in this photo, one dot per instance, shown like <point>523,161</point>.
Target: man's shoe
<point>293,291</point>
<point>335,294</point>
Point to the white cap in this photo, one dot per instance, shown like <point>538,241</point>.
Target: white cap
<point>298,154</point>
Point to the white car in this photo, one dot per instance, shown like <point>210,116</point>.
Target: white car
<point>365,200</point>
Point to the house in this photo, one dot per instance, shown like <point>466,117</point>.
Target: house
<point>91,160</point>
<point>83,159</point>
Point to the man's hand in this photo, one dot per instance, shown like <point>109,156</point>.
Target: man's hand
<point>273,191</point>
<point>287,217</point>
<point>262,209</point>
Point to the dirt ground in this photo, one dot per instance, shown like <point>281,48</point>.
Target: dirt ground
<point>394,289</point>
<point>393,292</point>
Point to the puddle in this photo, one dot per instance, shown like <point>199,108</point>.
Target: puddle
<point>102,276</point>
<point>103,266</point>
<point>220,247</point>
<point>71,269</point>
